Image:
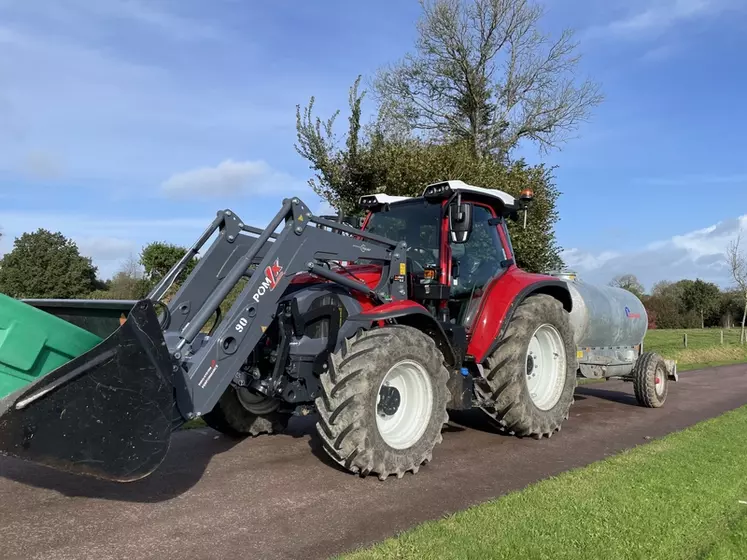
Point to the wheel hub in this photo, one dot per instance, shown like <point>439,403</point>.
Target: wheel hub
<point>659,380</point>
<point>546,367</point>
<point>389,402</point>
<point>404,404</point>
<point>256,403</point>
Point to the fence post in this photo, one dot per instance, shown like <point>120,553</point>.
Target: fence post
<point>722,337</point>
<point>685,340</point>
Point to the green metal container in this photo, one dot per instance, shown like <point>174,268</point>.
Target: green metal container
<point>33,343</point>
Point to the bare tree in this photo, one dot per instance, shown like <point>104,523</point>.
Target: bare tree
<point>482,71</point>
<point>630,283</point>
<point>738,267</point>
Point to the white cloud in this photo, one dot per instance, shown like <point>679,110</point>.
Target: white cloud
<point>230,178</point>
<point>149,15</point>
<point>108,241</point>
<point>105,250</point>
<point>325,209</point>
<point>655,17</point>
<point>662,53</point>
<point>697,254</point>
<point>40,164</point>
<point>76,93</point>
<point>84,16</point>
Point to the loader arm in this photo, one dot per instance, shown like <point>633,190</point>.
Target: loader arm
<point>108,412</point>
<point>208,364</point>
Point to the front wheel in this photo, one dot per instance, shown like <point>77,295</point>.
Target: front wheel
<point>530,378</point>
<point>241,412</point>
<point>383,401</point>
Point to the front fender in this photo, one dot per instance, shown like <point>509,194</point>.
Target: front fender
<point>499,302</point>
<point>411,314</point>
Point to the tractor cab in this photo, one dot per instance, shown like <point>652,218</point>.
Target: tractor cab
<point>457,242</point>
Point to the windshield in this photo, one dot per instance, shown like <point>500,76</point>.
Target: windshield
<point>418,223</point>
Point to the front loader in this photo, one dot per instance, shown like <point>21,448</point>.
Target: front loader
<point>379,330</point>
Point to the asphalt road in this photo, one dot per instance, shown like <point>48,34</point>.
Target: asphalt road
<point>279,497</point>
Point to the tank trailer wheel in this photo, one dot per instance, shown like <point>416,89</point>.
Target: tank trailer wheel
<point>650,380</point>
<point>529,380</point>
<point>241,412</point>
<point>383,401</point>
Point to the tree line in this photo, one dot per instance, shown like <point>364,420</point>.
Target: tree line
<point>46,264</point>
<point>688,303</point>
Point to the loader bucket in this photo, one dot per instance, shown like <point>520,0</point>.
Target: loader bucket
<point>106,413</point>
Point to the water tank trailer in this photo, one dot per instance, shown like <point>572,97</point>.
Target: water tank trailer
<point>609,325</point>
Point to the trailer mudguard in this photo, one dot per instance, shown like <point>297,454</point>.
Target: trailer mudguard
<point>499,301</point>
<point>107,413</point>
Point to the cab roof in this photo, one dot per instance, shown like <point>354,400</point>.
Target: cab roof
<point>454,185</point>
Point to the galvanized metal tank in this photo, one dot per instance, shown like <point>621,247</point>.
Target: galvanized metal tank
<point>608,323</point>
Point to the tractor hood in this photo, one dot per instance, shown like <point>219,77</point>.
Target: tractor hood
<point>369,274</point>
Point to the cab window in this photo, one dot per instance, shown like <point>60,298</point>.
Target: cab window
<point>480,258</point>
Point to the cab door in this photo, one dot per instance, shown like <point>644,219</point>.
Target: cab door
<point>482,258</point>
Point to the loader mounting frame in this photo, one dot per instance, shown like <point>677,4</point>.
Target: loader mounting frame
<point>208,363</point>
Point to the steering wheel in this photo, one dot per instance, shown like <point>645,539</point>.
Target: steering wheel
<point>424,253</point>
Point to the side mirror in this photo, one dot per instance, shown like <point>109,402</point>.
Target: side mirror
<point>460,222</point>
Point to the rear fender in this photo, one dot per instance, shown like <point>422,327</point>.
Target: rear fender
<point>411,314</point>
<point>499,304</point>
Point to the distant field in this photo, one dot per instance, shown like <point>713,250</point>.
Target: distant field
<point>704,347</point>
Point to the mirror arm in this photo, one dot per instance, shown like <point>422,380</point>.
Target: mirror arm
<point>448,203</point>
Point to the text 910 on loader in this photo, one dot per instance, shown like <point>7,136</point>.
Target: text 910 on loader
<point>381,328</point>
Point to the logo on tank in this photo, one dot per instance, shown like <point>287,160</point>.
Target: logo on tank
<point>631,315</point>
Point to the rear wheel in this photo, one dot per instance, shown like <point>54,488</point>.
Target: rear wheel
<point>530,378</point>
<point>650,381</point>
<point>383,401</point>
<point>241,412</point>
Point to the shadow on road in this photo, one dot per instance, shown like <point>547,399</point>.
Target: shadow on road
<point>190,453</point>
<point>460,420</point>
<point>606,394</point>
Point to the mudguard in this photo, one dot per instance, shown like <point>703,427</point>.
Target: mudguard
<point>409,313</point>
<point>502,295</point>
<point>107,413</point>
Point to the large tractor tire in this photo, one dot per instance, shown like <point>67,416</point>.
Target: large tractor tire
<point>529,379</point>
<point>650,381</point>
<point>241,413</point>
<point>383,402</point>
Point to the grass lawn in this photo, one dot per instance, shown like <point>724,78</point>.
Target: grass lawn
<point>704,348</point>
<point>677,497</point>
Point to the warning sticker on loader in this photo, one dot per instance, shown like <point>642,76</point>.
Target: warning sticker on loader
<point>208,374</point>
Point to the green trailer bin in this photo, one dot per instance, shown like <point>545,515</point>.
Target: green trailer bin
<point>33,343</point>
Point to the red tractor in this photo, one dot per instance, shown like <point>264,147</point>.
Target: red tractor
<point>380,330</point>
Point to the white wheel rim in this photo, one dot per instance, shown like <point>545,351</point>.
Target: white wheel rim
<point>658,382</point>
<point>404,404</point>
<point>545,367</point>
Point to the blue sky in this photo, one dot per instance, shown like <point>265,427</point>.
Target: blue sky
<point>123,122</point>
